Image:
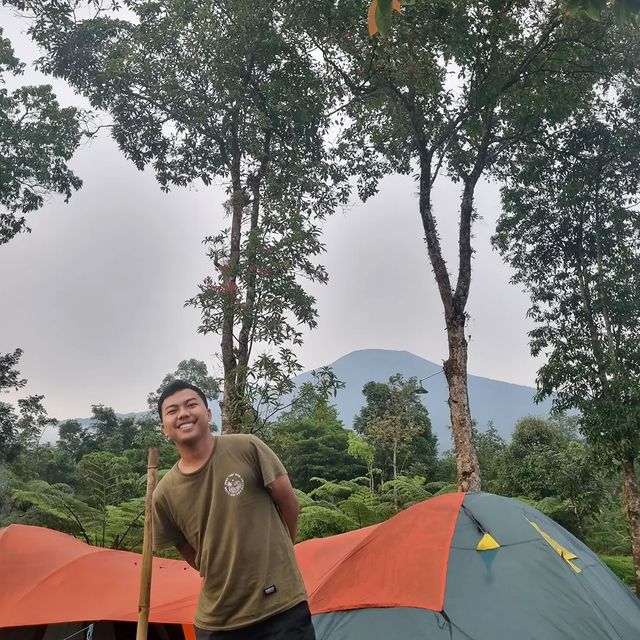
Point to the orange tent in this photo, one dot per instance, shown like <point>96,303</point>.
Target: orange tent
<point>48,577</point>
<point>368,567</point>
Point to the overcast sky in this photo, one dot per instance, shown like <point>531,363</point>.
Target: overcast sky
<point>94,295</point>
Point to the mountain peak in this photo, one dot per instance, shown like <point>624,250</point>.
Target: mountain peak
<point>502,403</point>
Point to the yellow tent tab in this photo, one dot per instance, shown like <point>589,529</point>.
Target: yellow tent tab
<point>487,543</point>
<point>563,552</point>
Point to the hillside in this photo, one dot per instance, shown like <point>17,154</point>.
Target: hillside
<point>501,402</point>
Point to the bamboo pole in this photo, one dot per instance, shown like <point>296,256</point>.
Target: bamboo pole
<point>147,547</point>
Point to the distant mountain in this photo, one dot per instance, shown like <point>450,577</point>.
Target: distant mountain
<point>501,402</point>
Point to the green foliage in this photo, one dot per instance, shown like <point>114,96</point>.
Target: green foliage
<point>517,66</point>
<point>57,506</point>
<point>37,140</point>
<point>489,447</point>
<point>406,491</point>
<point>582,269</point>
<point>55,466</point>
<point>111,432</point>
<point>25,430</point>
<point>192,371</point>
<point>9,375</point>
<point>546,463</point>
<point>318,521</point>
<point>608,529</point>
<point>622,566</point>
<point>38,503</point>
<point>310,440</point>
<point>269,397</point>
<point>336,507</point>
<point>360,449</point>
<point>396,424</point>
<point>107,479</point>
<point>625,11</point>
<point>308,448</point>
<point>149,435</point>
<point>448,488</point>
<point>529,462</point>
<point>75,439</point>
<point>573,194</point>
<point>32,422</point>
<point>9,446</point>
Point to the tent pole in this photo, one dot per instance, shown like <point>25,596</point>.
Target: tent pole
<point>147,546</point>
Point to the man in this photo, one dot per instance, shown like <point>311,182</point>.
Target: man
<point>228,507</point>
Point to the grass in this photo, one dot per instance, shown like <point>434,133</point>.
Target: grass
<point>622,566</point>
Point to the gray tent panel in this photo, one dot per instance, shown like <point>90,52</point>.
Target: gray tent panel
<point>525,589</point>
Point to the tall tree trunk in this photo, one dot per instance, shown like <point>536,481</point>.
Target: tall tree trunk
<point>455,370</point>
<point>230,406</point>
<point>632,509</point>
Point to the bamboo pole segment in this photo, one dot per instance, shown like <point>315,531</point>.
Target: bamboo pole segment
<point>147,547</point>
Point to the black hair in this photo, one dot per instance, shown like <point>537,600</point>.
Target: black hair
<point>174,387</point>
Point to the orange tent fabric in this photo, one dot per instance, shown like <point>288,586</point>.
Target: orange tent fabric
<point>48,577</point>
<point>368,568</point>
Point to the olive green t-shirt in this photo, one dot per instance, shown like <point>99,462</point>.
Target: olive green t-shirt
<point>243,548</point>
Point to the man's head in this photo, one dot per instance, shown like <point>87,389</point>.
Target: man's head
<point>184,412</point>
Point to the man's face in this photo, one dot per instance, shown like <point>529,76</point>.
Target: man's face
<point>185,419</point>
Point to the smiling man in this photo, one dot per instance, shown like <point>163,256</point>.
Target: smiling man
<point>228,507</point>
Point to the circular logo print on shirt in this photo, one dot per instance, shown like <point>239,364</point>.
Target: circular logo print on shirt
<point>234,484</point>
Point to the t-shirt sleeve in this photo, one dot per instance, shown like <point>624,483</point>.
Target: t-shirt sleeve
<point>165,532</point>
<point>268,462</point>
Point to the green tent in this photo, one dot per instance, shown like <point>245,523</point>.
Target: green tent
<point>465,567</point>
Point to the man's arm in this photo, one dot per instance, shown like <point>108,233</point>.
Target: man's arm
<point>286,500</point>
<point>189,554</point>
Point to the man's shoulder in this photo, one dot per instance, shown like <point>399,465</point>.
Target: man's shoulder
<point>165,482</point>
<point>238,440</point>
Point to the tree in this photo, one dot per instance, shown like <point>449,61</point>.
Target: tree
<point>74,438</point>
<point>311,441</point>
<point>225,91</point>
<point>512,62</point>
<point>9,446</point>
<point>546,463</point>
<point>9,375</point>
<point>529,461</point>
<point>150,435</point>
<point>9,379</point>
<point>108,481</point>
<point>397,425</point>
<point>360,449</point>
<point>30,426</point>
<point>36,502</point>
<point>193,371</point>
<point>110,432</point>
<point>37,140</point>
<point>489,445</point>
<point>575,201</point>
